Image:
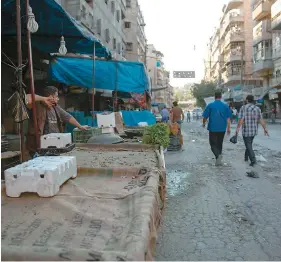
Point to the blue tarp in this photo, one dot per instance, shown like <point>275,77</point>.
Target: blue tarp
<point>130,118</point>
<point>53,23</point>
<point>109,75</point>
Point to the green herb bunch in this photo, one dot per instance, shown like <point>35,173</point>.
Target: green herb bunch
<point>157,135</point>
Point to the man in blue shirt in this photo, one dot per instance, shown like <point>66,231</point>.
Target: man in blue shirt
<point>219,116</point>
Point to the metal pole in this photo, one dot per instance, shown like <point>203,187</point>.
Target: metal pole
<point>19,50</point>
<point>116,88</point>
<point>93,82</point>
<point>32,89</point>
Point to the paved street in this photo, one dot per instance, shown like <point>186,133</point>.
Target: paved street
<point>220,213</point>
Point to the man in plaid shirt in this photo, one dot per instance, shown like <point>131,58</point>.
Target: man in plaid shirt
<point>249,118</point>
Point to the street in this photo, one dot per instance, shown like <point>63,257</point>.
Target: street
<point>219,213</point>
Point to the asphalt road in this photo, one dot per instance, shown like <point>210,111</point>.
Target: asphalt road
<point>218,213</point>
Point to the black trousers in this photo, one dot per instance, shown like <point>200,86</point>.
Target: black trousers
<point>216,141</point>
<point>249,152</point>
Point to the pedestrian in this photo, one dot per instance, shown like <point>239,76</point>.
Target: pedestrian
<point>273,114</point>
<point>165,114</point>
<point>249,117</point>
<point>188,116</point>
<point>177,114</point>
<point>234,115</point>
<point>219,115</point>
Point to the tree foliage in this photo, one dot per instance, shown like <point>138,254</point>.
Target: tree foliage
<point>201,91</point>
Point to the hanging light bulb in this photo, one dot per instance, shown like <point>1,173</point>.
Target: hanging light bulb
<point>62,49</point>
<point>32,25</point>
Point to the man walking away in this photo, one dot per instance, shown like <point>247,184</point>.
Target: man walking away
<point>177,114</point>
<point>249,118</point>
<point>219,116</point>
<point>165,115</point>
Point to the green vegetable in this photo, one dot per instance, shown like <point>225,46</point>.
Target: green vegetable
<point>157,135</point>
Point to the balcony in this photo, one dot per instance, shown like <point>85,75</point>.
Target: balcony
<point>276,15</point>
<point>262,31</point>
<point>228,76</point>
<point>276,52</point>
<point>276,81</point>
<point>231,18</point>
<point>233,4</point>
<point>232,56</point>
<point>233,36</point>
<point>261,9</point>
<point>263,61</point>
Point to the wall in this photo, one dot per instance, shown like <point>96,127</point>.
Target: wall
<point>97,13</point>
<point>135,34</point>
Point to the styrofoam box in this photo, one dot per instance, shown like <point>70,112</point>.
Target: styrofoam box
<point>42,175</point>
<point>106,120</point>
<point>107,130</point>
<point>57,140</point>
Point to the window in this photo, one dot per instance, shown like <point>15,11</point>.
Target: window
<point>128,3</point>
<point>114,43</point>
<point>127,24</point>
<point>112,7</point>
<point>118,16</point>
<point>99,27</point>
<point>107,36</point>
<point>129,46</point>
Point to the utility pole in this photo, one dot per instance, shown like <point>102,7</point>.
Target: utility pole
<point>242,67</point>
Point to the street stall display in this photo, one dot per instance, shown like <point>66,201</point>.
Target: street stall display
<point>108,212</point>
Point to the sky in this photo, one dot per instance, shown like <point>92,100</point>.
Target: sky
<point>178,27</point>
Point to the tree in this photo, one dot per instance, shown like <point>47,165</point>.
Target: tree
<point>203,90</point>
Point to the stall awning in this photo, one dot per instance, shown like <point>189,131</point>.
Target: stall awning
<point>53,23</point>
<point>109,75</point>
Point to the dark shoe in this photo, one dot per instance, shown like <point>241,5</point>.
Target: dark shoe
<point>253,163</point>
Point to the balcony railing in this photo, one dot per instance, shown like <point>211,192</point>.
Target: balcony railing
<point>230,18</point>
<point>263,54</point>
<point>276,52</point>
<point>233,55</point>
<point>276,81</point>
<point>261,9</point>
<point>276,15</point>
<point>262,31</point>
<point>234,36</point>
<point>263,60</point>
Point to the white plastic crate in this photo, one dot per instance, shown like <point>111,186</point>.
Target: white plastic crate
<point>106,120</point>
<point>42,175</point>
<point>56,140</point>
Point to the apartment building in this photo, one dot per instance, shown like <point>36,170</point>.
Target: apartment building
<point>134,30</point>
<point>262,42</point>
<point>162,91</point>
<point>230,51</point>
<point>275,92</point>
<point>105,18</point>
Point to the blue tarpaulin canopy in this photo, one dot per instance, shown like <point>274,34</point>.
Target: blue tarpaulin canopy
<point>109,75</point>
<point>53,23</point>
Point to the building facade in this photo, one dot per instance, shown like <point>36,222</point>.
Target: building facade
<point>162,91</point>
<point>134,30</point>
<point>105,18</point>
<point>230,52</point>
